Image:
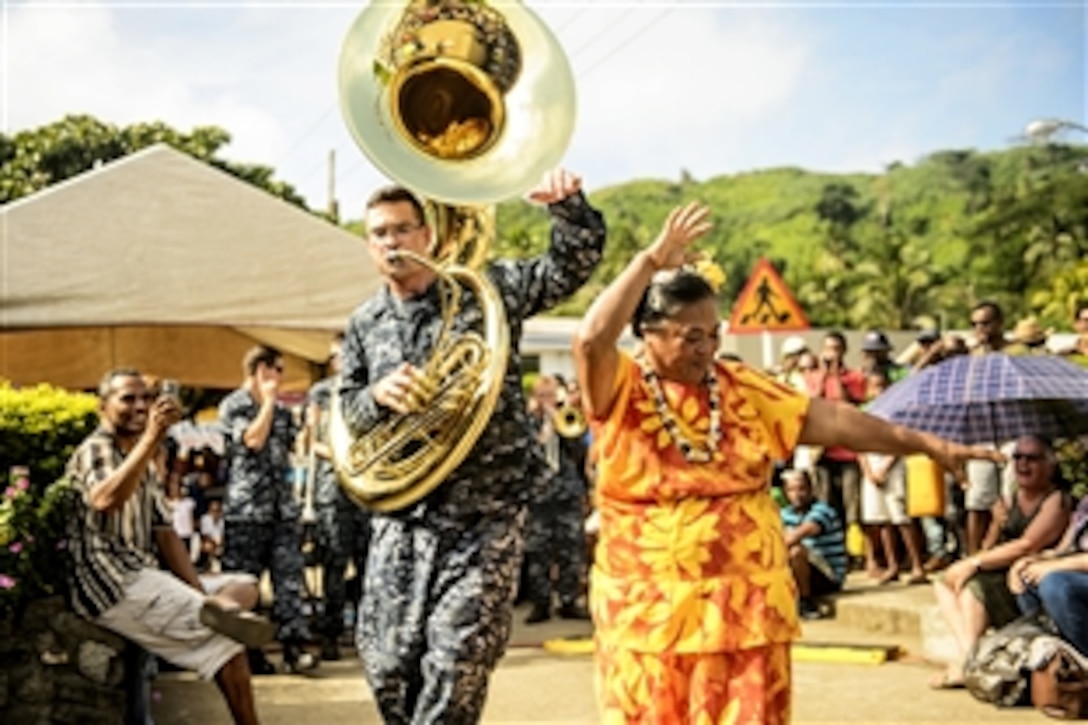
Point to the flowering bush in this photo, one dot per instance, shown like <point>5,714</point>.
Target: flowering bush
<point>33,559</point>
<point>39,428</point>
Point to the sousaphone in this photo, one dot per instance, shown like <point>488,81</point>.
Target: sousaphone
<point>467,103</point>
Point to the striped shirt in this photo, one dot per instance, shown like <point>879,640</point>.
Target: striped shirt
<point>830,543</point>
<point>104,547</point>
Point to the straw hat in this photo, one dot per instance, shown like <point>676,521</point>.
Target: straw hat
<point>1029,332</point>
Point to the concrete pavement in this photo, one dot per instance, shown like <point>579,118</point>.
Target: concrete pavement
<point>535,686</point>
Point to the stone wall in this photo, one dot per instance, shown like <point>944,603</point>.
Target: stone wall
<point>56,667</point>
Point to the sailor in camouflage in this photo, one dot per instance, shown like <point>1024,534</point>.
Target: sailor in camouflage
<point>438,597</point>
<point>261,517</point>
<point>555,535</point>
<point>343,528</point>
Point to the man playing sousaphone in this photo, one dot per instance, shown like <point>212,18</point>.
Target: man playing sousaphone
<point>438,596</point>
<point>467,103</point>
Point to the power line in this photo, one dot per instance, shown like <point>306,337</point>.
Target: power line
<point>618,48</point>
<point>300,139</point>
<point>570,21</point>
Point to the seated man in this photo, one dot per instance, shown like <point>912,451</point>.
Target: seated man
<point>815,540</point>
<point>1056,581</point>
<point>121,518</point>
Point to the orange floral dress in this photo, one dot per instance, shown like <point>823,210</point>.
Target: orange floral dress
<point>691,593</point>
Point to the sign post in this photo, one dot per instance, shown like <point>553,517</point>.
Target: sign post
<point>766,305</point>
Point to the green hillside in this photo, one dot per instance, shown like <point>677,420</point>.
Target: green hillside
<point>870,249</point>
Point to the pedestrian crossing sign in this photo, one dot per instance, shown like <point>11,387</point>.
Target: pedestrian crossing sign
<point>766,304</point>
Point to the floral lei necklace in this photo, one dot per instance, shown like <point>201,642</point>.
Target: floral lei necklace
<point>692,453</point>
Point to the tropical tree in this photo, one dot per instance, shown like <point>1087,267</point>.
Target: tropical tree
<point>34,159</point>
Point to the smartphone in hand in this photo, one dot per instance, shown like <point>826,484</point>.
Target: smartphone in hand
<point>170,388</point>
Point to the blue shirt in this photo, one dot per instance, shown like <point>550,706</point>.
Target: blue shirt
<point>830,543</point>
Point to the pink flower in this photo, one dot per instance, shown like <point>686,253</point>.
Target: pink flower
<point>22,484</point>
<point>10,492</point>
<point>6,582</point>
<point>16,547</point>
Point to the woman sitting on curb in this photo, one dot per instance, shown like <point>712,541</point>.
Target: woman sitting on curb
<point>973,593</point>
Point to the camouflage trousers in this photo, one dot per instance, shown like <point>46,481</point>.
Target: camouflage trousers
<point>436,613</point>
<point>252,548</point>
<point>342,535</point>
<point>556,537</point>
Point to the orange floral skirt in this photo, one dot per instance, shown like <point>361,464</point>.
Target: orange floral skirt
<point>726,688</point>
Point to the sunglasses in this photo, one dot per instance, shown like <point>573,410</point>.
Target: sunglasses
<point>1027,456</point>
<point>131,398</point>
<point>981,323</point>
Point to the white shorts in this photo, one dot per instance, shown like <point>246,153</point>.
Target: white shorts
<point>985,481</point>
<point>888,503</point>
<point>161,613</point>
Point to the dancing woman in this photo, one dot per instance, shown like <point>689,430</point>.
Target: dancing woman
<point>691,591</point>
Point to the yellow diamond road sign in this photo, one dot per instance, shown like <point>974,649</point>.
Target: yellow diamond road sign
<point>766,304</point>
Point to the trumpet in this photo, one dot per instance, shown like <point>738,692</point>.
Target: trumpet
<point>568,419</point>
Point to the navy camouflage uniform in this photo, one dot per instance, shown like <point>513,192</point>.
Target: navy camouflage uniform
<point>440,578</point>
<point>556,530</point>
<point>261,517</point>
<point>343,528</point>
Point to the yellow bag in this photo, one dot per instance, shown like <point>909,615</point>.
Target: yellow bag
<point>855,540</point>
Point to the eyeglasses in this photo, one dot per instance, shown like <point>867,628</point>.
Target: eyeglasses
<point>1027,456</point>
<point>397,230</point>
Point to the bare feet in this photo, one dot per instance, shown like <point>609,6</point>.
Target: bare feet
<point>890,575</point>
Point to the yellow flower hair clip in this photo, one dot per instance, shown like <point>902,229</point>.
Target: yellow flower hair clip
<point>708,269</point>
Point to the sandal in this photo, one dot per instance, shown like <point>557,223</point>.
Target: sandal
<point>245,627</point>
<point>918,579</point>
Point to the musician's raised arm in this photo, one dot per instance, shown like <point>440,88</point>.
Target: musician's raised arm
<point>576,247</point>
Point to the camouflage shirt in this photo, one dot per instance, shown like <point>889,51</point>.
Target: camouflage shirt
<point>257,488</point>
<point>561,479</point>
<point>497,475</point>
<point>327,491</point>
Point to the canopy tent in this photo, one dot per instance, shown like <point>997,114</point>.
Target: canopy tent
<point>165,263</point>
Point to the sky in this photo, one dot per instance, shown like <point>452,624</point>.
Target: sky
<point>709,88</point>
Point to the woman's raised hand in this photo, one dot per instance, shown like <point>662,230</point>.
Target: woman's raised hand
<point>684,225</point>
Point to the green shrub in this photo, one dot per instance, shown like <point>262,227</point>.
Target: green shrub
<point>40,427</point>
<point>528,380</point>
<point>1073,461</point>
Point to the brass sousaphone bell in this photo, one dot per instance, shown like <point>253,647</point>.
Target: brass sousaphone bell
<point>467,103</point>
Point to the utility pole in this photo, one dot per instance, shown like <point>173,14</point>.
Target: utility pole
<point>334,208</point>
